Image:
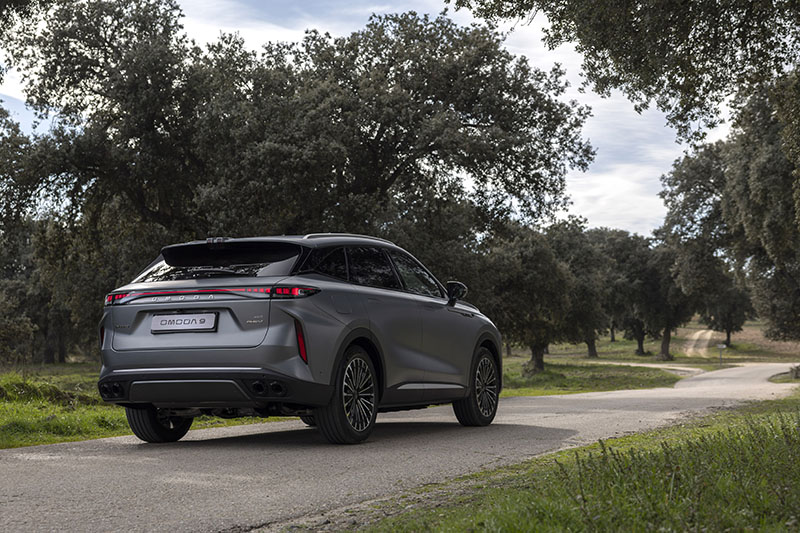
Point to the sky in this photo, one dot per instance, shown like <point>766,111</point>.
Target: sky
<point>620,189</point>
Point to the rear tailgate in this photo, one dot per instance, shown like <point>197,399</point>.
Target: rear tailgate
<point>211,313</point>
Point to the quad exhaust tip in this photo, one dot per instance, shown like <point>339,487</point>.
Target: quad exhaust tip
<point>273,388</point>
<point>112,390</point>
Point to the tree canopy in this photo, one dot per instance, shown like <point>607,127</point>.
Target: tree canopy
<point>532,307</point>
<point>411,122</point>
<point>586,317</point>
<point>686,57</point>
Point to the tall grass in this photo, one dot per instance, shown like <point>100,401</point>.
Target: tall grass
<point>740,475</point>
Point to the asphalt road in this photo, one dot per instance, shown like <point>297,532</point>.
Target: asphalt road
<point>252,476</point>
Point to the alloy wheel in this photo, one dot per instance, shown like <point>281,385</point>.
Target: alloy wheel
<point>358,394</point>
<point>486,387</point>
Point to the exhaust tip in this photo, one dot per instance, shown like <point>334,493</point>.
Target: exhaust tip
<point>277,388</point>
<point>258,387</point>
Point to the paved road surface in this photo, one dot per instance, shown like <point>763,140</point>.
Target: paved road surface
<point>243,477</point>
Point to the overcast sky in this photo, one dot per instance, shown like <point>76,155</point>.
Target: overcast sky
<point>620,189</point>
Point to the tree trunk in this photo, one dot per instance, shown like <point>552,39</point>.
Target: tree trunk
<point>546,349</point>
<point>49,346</point>
<point>592,345</point>
<point>62,348</point>
<point>664,354</point>
<point>728,338</point>
<point>613,338</point>
<point>508,350</point>
<point>536,364</point>
<point>640,344</point>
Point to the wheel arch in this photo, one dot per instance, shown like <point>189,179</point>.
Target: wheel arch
<point>364,338</point>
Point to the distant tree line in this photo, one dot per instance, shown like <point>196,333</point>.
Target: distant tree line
<point>412,128</point>
<point>734,206</point>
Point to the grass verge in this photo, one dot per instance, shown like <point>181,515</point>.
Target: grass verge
<point>61,404</point>
<point>569,376</point>
<point>733,471</point>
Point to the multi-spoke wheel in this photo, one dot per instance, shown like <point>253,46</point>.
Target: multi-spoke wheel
<point>480,406</point>
<point>156,425</point>
<point>350,416</point>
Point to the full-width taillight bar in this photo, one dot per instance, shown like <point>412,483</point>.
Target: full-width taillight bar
<point>282,291</point>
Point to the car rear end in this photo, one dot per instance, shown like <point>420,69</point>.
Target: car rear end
<point>213,327</point>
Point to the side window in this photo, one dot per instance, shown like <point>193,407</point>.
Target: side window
<point>414,275</point>
<point>328,261</point>
<point>370,266</point>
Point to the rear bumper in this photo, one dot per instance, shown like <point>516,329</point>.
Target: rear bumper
<point>210,388</point>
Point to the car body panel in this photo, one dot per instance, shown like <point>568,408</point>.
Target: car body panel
<point>422,347</point>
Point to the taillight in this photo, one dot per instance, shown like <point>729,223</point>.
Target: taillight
<point>293,292</point>
<point>301,340</point>
<point>180,295</point>
<point>115,297</point>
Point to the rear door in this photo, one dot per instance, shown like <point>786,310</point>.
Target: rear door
<point>394,319</point>
<point>447,331</point>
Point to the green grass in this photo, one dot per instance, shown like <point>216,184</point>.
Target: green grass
<point>567,377</point>
<point>748,345</point>
<point>784,378</point>
<point>734,471</point>
<point>61,404</point>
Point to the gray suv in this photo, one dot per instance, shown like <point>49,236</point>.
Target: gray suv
<point>332,328</point>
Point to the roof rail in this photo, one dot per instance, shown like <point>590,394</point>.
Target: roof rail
<point>322,235</point>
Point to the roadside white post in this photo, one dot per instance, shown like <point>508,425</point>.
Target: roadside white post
<point>721,347</point>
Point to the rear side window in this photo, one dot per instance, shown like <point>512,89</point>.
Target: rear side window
<point>414,276</point>
<point>227,259</point>
<point>328,261</point>
<point>370,266</point>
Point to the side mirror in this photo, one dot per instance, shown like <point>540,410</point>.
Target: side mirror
<point>455,291</point>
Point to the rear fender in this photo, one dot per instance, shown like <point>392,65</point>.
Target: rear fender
<point>352,337</point>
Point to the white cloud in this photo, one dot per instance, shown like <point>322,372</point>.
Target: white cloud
<point>205,20</point>
<point>12,85</point>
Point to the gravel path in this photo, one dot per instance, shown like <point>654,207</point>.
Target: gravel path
<point>241,478</point>
<point>697,344</point>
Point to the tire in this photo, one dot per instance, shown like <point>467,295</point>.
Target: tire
<point>350,422</point>
<point>480,406</point>
<point>152,425</point>
<point>308,420</point>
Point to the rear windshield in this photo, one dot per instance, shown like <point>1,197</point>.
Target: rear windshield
<point>242,259</point>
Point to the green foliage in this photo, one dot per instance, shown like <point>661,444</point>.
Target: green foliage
<point>696,227</point>
<point>16,331</point>
<point>586,317</point>
<point>687,57</point>
<point>667,306</point>
<point>732,219</point>
<point>157,140</point>
<point>626,276</point>
<point>532,306</point>
<point>690,58</point>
